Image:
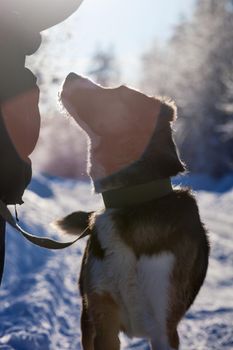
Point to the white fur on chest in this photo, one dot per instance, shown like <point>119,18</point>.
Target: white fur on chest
<point>140,287</point>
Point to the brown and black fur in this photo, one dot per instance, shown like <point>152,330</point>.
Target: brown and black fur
<point>169,224</point>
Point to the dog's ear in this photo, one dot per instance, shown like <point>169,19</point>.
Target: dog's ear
<point>168,112</point>
<point>162,148</point>
<point>171,109</point>
<point>75,223</point>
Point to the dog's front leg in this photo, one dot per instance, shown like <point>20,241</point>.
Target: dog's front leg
<point>167,342</point>
<point>87,328</point>
<point>157,344</point>
<point>106,321</point>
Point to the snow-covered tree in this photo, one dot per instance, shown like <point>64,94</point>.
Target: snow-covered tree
<point>196,69</point>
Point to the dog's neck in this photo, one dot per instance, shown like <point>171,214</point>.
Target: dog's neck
<point>135,195</point>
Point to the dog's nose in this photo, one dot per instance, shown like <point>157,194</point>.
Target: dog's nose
<point>69,84</point>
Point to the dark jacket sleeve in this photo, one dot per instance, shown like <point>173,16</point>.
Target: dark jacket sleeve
<point>19,112</point>
<point>20,24</point>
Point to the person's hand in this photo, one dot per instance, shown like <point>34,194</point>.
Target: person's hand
<point>22,120</point>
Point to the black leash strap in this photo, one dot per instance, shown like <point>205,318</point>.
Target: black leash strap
<point>43,242</point>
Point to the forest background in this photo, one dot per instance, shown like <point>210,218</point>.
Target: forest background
<point>193,66</point>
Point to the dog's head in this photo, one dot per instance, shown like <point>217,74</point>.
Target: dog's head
<point>123,126</point>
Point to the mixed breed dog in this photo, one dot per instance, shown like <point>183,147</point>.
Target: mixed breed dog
<point>147,254</point>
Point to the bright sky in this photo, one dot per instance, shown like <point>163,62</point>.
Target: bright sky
<point>128,26</point>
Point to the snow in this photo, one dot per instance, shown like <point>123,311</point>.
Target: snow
<point>40,303</point>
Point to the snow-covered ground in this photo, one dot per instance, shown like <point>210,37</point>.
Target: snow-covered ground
<point>39,299</point>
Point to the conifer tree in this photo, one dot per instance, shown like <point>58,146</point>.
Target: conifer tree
<point>196,69</point>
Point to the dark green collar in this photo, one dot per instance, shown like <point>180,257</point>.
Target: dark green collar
<point>129,196</point>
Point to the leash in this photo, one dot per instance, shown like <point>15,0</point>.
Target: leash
<point>124,197</point>
<point>43,242</point>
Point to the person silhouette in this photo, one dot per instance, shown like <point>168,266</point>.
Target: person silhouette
<point>21,23</point>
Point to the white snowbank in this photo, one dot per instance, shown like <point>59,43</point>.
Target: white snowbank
<point>40,303</point>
